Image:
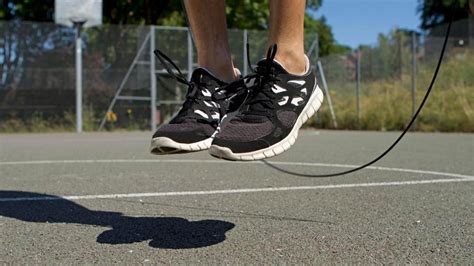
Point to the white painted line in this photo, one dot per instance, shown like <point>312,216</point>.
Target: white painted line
<point>380,168</point>
<point>234,191</point>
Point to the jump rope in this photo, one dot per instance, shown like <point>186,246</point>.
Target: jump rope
<point>420,107</point>
<point>400,137</point>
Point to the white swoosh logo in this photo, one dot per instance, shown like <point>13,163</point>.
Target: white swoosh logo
<point>277,89</point>
<point>206,93</point>
<point>299,82</point>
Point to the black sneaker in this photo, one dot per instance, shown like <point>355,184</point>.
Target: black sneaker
<point>268,123</point>
<point>193,127</point>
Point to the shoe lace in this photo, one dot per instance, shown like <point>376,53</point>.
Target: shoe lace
<point>226,94</point>
<point>261,98</point>
<point>194,98</point>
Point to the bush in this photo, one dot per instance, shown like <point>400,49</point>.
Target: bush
<point>387,104</point>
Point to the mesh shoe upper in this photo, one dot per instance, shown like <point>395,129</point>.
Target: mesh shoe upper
<point>200,114</point>
<point>239,130</point>
<point>276,100</point>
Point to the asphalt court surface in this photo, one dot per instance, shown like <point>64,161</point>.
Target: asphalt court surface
<point>101,198</point>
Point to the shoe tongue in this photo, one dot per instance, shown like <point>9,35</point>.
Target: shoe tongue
<point>275,64</point>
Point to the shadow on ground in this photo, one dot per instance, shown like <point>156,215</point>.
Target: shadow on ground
<point>162,232</point>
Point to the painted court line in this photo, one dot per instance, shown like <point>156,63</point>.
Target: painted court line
<point>380,168</point>
<point>234,191</point>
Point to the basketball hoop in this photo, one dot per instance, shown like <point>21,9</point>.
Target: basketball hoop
<point>72,12</point>
<point>78,14</point>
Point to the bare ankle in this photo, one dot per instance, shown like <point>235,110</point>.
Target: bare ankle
<point>222,68</point>
<point>293,62</point>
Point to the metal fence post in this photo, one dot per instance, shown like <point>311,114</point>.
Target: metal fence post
<point>152,79</point>
<point>312,49</point>
<point>317,46</point>
<point>120,88</point>
<point>399,55</point>
<point>244,57</point>
<point>358,86</point>
<point>78,26</point>
<point>413,74</point>
<point>326,91</point>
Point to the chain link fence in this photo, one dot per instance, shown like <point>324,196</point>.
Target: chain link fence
<point>37,74</point>
<point>379,87</point>
<point>374,87</point>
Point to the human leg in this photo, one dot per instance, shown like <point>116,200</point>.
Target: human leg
<point>193,127</point>
<point>284,93</point>
<point>287,31</point>
<point>208,24</point>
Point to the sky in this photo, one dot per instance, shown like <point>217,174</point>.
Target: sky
<point>356,22</point>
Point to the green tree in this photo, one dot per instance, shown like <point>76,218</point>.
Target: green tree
<point>247,14</point>
<point>436,12</point>
<point>327,43</point>
<point>241,14</point>
<point>251,14</point>
<point>27,10</point>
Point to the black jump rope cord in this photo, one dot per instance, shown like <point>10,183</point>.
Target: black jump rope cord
<point>433,80</point>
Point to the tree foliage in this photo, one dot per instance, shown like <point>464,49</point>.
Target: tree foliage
<point>27,10</point>
<point>436,12</point>
<point>248,14</point>
<point>327,43</point>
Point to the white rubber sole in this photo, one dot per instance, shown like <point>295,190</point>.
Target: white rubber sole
<point>164,145</point>
<point>310,109</point>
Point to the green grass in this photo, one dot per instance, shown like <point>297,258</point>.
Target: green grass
<point>387,105</point>
<point>37,123</point>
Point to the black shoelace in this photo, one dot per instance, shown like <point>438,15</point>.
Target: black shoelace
<point>261,98</point>
<point>194,97</point>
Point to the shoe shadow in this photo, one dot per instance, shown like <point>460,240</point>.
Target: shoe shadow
<point>162,232</point>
